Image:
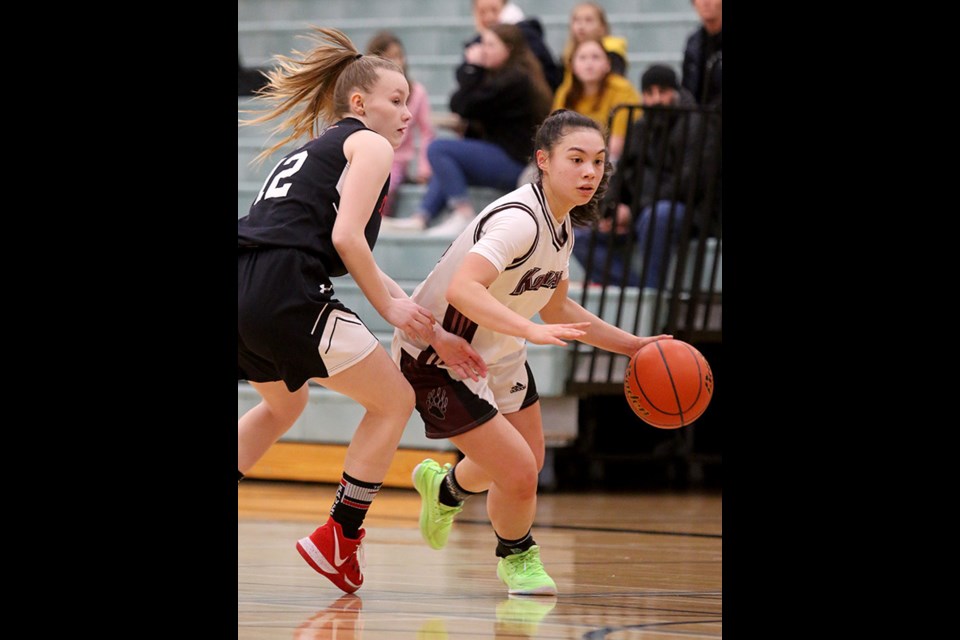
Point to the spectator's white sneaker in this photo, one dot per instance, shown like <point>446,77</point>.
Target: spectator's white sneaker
<point>452,226</point>
<point>412,223</point>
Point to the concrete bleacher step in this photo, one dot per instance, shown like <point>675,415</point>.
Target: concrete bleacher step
<point>444,35</point>
<point>712,260</point>
<point>288,10</point>
<point>332,418</point>
<point>411,256</point>
<point>434,32</point>
<point>408,198</point>
<point>251,140</point>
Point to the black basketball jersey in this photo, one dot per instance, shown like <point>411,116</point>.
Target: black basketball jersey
<point>298,203</point>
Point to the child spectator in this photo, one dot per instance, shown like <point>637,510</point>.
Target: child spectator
<point>387,45</point>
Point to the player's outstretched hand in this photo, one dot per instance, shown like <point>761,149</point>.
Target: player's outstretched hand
<point>411,318</point>
<point>459,355</point>
<point>557,333</point>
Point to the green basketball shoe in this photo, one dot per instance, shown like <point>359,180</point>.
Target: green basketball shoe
<point>523,573</point>
<point>435,518</point>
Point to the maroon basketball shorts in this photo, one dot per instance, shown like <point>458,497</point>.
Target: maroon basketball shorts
<point>450,406</point>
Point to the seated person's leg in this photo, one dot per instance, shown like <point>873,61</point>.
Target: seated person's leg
<point>601,250</point>
<point>655,220</point>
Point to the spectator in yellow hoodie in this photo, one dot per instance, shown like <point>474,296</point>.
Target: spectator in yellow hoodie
<point>594,90</point>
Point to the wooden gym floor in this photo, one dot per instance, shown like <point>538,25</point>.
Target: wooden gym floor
<point>630,565</point>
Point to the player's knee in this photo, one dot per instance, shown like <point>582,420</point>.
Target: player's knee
<point>399,400</point>
<point>539,454</point>
<point>407,399</point>
<point>521,483</point>
<point>285,413</point>
<point>540,459</point>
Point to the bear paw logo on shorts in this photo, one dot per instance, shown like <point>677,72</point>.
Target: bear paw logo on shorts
<point>437,403</point>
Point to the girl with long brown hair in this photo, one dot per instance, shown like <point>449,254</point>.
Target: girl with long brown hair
<point>509,264</point>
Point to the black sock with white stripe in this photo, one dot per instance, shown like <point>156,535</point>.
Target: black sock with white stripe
<point>351,504</point>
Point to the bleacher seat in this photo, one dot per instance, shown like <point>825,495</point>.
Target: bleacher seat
<point>434,31</point>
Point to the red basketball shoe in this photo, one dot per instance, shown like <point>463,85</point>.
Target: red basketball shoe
<point>334,556</point>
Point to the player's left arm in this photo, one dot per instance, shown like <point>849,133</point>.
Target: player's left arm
<point>601,334</point>
<point>395,290</point>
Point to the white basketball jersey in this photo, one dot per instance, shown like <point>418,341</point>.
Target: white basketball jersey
<point>519,235</point>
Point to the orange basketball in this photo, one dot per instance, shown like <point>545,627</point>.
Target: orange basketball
<point>668,383</point>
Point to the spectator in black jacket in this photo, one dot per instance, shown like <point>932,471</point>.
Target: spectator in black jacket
<point>503,94</point>
<point>487,13</point>
<point>703,55</point>
<point>669,163</point>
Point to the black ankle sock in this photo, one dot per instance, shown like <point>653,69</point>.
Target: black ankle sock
<point>239,476</point>
<point>509,547</point>
<point>451,493</point>
<point>351,504</point>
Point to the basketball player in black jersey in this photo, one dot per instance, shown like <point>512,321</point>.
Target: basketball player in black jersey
<point>317,217</point>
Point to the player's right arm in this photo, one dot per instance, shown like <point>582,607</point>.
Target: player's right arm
<point>469,293</point>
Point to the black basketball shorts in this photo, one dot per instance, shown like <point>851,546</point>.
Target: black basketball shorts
<point>290,326</point>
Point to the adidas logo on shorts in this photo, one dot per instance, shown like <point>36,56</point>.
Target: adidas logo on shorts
<point>518,387</point>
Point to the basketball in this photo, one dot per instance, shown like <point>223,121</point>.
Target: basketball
<point>668,383</point>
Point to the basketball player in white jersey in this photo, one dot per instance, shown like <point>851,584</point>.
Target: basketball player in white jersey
<point>317,218</point>
<point>509,264</point>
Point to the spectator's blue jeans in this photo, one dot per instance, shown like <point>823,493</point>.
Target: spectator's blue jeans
<point>465,162</point>
<point>659,250</point>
